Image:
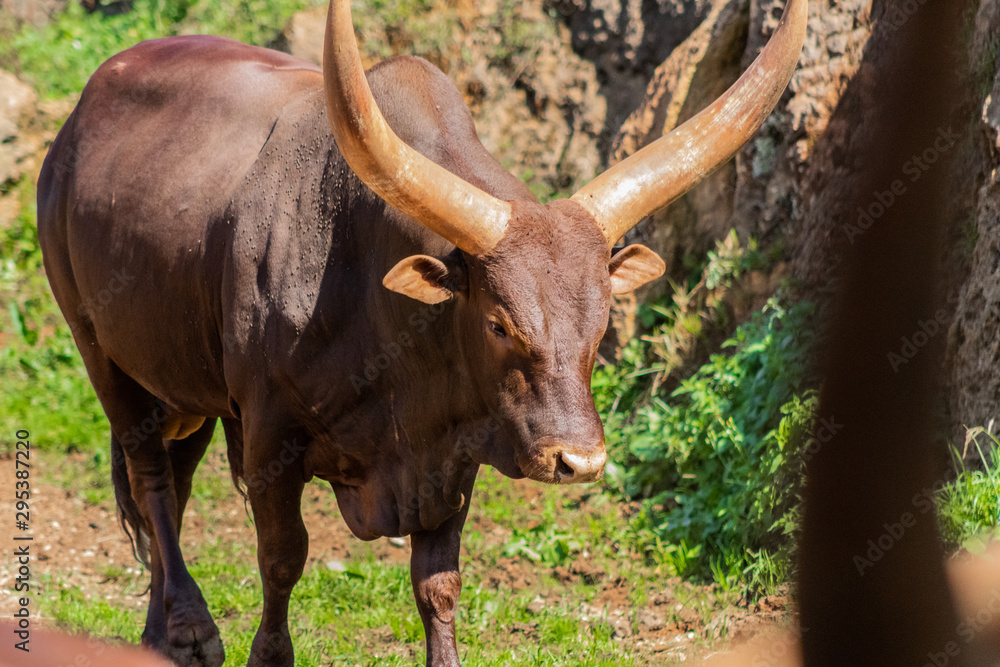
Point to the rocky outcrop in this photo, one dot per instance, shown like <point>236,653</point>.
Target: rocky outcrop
<point>537,105</point>
<point>760,193</point>
<point>627,40</point>
<point>17,107</point>
<point>787,186</point>
<point>974,337</point>
<point>822,226</point>
<point>773,169</point>
<point>698,71</point>
<point>27,127</point>
<point>36,12</point>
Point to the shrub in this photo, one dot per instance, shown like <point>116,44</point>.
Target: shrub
<point>716,460</point>
<point>969,506</point>
<point>60,57</point>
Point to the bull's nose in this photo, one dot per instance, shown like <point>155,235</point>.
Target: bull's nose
<point>575,468</point>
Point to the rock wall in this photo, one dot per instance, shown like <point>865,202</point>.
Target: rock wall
<point>537,105</point>
<point>17,105</point>
<point>786,187</point>
<point>627,40</point>
<point>974,290</point>
<point>37,12</point>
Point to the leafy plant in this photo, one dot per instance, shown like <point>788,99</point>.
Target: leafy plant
<point>60,57</point>
<point>543,544</point>
<point>679,323</point>
<point>969,507</point>
<point>716,460</point>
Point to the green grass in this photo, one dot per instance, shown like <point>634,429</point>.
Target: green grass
<point>74,611</point>
<point>39,378</point>
<point>366,614</point>
<point>969,507</point>
<point>708,450</point>
<point>40,366</point>
<point>59,58</point>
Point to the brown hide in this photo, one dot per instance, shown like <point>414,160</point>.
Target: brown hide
<point>198,184</point>
<point>216,257</point>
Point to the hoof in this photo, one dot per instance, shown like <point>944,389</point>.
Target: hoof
<point>271,650</point>
<point>193,641</point>
<point>206,653</point>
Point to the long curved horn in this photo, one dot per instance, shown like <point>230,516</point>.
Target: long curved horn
<point>673,164</point>
<point>457,210</point>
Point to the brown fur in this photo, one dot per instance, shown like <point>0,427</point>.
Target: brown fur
<point>200,174</point>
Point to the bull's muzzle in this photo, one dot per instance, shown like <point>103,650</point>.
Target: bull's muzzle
<point>580,468</point>
<point>560,462</point>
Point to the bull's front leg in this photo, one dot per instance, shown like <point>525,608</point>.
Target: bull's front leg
<point>274,485</point>
<point>437,583</point>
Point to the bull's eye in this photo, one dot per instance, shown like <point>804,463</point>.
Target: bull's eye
<point>498,329</point>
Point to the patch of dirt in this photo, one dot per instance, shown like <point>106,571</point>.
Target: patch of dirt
<point>80,543</point>
<point>82,546</point>
<point>74,541</point>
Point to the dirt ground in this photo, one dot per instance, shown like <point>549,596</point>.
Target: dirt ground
<point>81,544</point>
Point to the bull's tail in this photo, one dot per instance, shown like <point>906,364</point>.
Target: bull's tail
<point>234,452</point>
<point>128,511</point>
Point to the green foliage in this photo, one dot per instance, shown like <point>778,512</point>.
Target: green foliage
<point>387,28</point>
<point>71,609</point>
<point>40,367</point>
<point>252,21</point>
<point>694,311</point>
<point>393,12</point>
<point>46,391</point>
<point>518,39</point>
<point>677,325</point>
<point>969,507</point>
<point>543,544</point>
<point>20,258</point>
<point>60,57</point>
<point>717,459</point>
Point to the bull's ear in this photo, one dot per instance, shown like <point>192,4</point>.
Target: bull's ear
<point>633,267</point>
<point>425,278</point>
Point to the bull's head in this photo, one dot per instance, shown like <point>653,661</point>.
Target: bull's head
<point>534,284</point>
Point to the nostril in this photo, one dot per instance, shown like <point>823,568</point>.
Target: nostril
<point>563,469</point>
